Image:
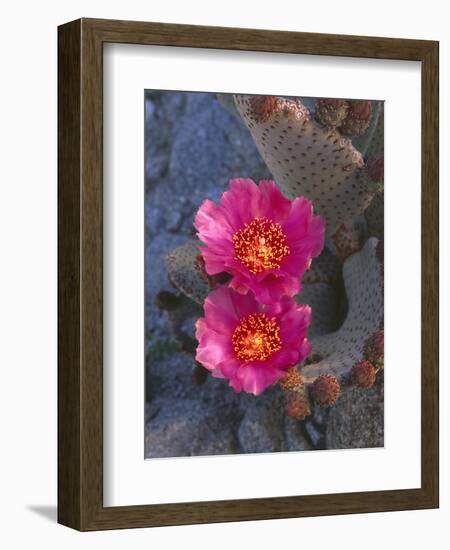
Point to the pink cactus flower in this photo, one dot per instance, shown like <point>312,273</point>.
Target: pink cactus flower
<point>250,344</point>
<point>265,241</point>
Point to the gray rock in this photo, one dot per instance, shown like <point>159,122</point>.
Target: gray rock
<point>169,376</point>
<point>261,429</point>
<point>153,219</point>
<point>174,219</point>
<point>185,428</point>
<point>156,277</point>
<point>188,326</point>
<point>294,438</point>
<point>149,112</point>
<point>155,167</point>
<point>320,414</point>
<point>357,419</point>
<point>197,152</point>
<point>315,433</point>
<point>210,148</point>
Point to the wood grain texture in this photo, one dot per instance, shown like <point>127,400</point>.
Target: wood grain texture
<point>69,244</point>
<point>430,272</point>
<point>80,264</point>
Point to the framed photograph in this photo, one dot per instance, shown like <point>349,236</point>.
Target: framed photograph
<point>248,234</point>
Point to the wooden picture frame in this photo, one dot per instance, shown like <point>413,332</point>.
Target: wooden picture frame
<point>80,271</point>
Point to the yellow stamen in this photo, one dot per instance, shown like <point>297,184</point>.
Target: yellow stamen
<point>256,337</point>
<point>260,245</point>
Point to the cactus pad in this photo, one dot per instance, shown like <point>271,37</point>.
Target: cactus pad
<point>307,159</point>
<point>375,146</point>
<point>344,348</point>
<point>184,272</point>
<point>375,217</point>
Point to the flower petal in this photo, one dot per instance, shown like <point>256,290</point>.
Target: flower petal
<point>273,204</point>
<point>224,310</point>
<point>257,376</point>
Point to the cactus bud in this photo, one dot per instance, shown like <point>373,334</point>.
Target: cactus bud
<point>364,374</point>
<point>326,390</point>
<point>358,117</point>
<point>331,112</point>
<point>292,381</point>
<point>375,349</point>
<point>262,107</point>
<point>297,405</point>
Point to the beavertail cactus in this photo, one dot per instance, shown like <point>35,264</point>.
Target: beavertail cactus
<point>375,217</point>
<point>375,143</point>
<point>342,349</point>
<point>309,159</point>
<point>185,271</point>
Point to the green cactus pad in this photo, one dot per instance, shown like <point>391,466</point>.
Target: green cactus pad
<point>343,348</point>
<point>375,217</point>
<point>183,272</point>
<point>375,146</point>
<point>309,160</point>
<point>374,132</point>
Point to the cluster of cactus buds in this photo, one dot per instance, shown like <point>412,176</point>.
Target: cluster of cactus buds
<point>331,112</point>
<point>325,391</point>
<point>296,395</point>
<point>364,372</point>
<point>374,350</point>
<point>351,116</point>
<point>359,115</point>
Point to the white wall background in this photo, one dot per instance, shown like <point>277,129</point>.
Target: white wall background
<point>28,272</point>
